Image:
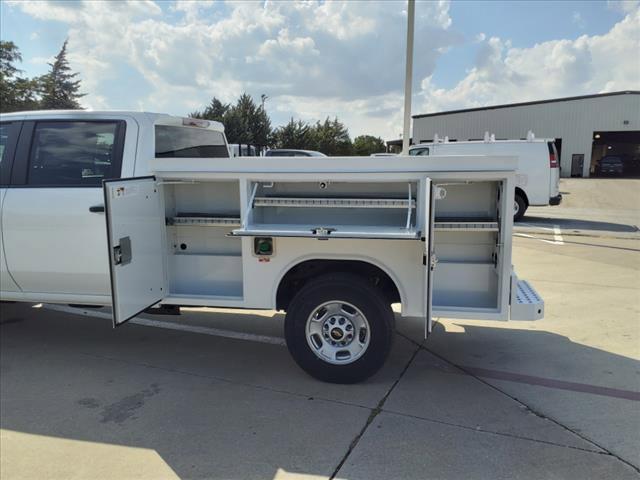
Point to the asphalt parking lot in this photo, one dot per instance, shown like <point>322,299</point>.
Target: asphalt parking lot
<point>221,398</point>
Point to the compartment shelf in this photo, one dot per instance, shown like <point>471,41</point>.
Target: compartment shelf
<point>203,220</point>
<point>332,202</point>
<point>465,226</point>
<point>333,231</point>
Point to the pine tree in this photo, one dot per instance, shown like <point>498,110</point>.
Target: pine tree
<point>295,134</point>
<point>16,93</point>
<point>60,87</point>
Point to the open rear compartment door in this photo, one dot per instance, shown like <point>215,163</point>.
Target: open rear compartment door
<point>430,260</point>
<point>135,238</point>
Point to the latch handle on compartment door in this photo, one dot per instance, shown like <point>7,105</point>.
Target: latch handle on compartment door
<point>122,252</point>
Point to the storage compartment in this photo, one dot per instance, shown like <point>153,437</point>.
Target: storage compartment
<point>465,285</point>
<point>332,209</point>
<point>203,258</point>
<point>467,242</point>
<point>216,275</point>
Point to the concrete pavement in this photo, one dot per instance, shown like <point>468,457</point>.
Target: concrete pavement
<point>557,398</point>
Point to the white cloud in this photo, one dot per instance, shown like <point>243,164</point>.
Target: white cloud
<point>318,58</point>
<point>504,74</point>
<point>306,55</point>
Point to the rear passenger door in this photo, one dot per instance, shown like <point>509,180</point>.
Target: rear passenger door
<point>8,138</point>
<point>53,213</point>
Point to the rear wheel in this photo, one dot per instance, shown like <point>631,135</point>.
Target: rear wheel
<point>339,329</point>
<point>519,207</point>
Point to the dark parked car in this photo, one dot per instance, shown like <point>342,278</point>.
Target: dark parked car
<point>287,152</point>
<point>611,165</point>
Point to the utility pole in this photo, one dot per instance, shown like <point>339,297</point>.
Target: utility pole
<point>406,132</point>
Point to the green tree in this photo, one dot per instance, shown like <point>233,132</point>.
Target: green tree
<point>368,144</point>
<point>16,93</point>
<point>295,134</point>
<point>216,110</point>
<point>245,122</point>
<point>331,137</point>
<point>60,88</point>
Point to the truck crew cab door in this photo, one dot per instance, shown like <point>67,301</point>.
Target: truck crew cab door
<point>136,245</point>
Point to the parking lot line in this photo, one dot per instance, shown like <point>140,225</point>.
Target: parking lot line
<point>557,235</point>
<point>146,322</point>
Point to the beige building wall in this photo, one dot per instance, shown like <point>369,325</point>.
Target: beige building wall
<point>572,120</point>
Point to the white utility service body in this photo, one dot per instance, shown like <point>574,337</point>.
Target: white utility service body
<point>333,241</point>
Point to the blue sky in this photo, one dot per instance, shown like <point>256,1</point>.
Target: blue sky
<point>315,59</point>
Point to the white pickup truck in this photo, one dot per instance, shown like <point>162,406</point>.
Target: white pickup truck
<point>135,210</point>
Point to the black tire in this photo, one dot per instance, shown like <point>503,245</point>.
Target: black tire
<point>520,206</point>
<point>352,289</point>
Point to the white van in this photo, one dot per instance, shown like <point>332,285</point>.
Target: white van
<point>538,173</point>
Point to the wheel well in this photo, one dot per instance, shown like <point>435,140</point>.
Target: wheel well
<point>520,192</point>
<point>301,273</point>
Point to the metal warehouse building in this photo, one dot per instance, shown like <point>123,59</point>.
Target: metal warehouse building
<point>586,128</point>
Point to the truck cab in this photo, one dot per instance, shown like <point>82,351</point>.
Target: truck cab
<point>53,239</point>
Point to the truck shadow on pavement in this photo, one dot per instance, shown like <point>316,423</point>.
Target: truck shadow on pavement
<point>567,224</point>
<point>222,408</point>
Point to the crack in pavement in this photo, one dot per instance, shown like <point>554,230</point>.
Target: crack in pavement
<point>605,451</point>
<point>374,413</point>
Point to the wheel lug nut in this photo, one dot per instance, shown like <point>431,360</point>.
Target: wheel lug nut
<point>349,327</point>
<point>325,326</point>
<point>333,321</point>
<point>341,321</point>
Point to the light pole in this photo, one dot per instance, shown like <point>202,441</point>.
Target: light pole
<point>406,131</point>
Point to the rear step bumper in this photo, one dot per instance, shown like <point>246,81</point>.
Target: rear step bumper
<point>526,303</point>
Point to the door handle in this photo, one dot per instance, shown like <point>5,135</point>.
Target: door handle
<point>96,209</point>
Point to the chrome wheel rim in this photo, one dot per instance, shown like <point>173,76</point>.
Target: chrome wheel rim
<point>337,332</point>
<point>516,208</point>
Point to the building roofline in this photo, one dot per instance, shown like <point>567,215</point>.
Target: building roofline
<point>524,104</point>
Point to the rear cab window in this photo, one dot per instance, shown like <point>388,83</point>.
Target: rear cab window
<point>189,142</point>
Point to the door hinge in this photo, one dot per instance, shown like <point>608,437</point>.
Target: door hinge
<point>433,262</point>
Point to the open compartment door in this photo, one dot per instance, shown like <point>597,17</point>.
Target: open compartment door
<point>135,240</point>
<point>429,251</point>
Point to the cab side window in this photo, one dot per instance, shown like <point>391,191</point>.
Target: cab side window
<point>75,153</point>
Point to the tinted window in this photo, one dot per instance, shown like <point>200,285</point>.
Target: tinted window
<point>189,142</point>
<point>417,152</point>
<point>5,128</point>
<point>74,153</point>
